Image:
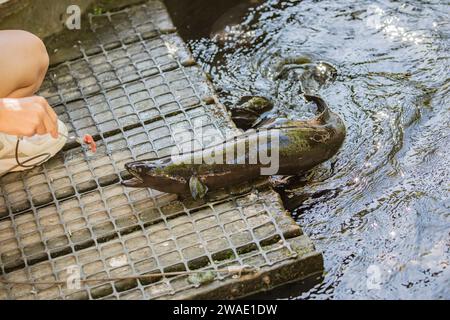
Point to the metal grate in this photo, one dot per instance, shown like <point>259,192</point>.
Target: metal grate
<point>136,98</point>
<point>111,30</point>
<point>236,231</point>
<point>111,68</point>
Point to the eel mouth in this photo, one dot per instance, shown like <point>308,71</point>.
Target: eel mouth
<point>136,181</point>
<point>143,172</point>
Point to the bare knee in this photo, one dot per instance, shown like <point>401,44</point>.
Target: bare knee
<point>41,59</point>
<point>25,61</point>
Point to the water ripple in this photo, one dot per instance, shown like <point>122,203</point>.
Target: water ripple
<point>379,210</point>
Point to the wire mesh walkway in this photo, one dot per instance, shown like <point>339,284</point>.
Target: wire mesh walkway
<point>132,84</point>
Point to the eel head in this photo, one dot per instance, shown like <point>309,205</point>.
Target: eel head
<point>155,174</point>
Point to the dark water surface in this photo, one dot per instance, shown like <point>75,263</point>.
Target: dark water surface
<point>380,210</point>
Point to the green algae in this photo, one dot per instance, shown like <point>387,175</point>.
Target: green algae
<point>298,141</point>
<point>202,278</point>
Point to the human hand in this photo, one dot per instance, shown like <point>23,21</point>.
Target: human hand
<point>26,117</point>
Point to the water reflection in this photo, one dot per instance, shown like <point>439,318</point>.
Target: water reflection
<point>380,209</point>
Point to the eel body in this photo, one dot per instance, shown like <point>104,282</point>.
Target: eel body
<point>277,147</point>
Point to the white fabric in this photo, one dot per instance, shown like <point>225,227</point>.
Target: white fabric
<point>29,147</point>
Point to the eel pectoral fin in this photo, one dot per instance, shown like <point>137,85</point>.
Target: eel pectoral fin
<point>198,189</point>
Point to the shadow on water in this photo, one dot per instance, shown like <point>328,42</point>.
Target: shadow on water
<point>195,19</point>
<point>380,209</point>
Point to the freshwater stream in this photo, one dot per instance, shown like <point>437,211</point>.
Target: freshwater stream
<point>379,210</point>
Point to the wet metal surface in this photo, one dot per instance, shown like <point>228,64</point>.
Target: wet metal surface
<point>132,84</point>
<point>380,209</point>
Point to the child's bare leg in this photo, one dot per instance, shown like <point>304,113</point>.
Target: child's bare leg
<point>23,63</point>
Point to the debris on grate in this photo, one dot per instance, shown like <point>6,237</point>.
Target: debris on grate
<point>134,89</point>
